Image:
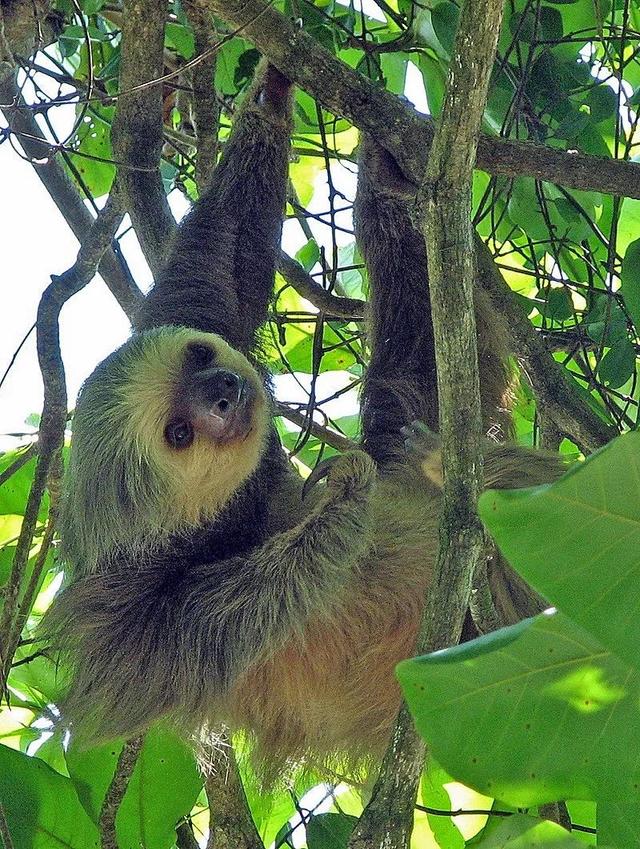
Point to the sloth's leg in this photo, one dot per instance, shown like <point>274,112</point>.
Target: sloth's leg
<point>400,384</point>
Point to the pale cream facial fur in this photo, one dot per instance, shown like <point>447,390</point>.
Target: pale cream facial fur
<point>203,477</point>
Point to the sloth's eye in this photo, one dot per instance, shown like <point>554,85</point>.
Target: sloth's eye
<point>179,434</point>
<point>200,356</point>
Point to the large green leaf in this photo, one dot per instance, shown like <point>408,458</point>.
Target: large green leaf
<point>329,831</point>
<point>41,806</point>
<point>163,788</point>
<point>535,713</point>
<point>15,491</point>
<point>578,542</point>
<point>630,280</point>
<point>522,832</point>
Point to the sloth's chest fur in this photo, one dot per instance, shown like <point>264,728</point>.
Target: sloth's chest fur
<point>335,690</point>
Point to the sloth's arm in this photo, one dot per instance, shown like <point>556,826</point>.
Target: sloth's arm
<point>151,639</point>
<point>219,276</point>
<point>400,383</point>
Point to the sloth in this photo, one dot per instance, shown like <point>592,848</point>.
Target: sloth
<point>202,585</point>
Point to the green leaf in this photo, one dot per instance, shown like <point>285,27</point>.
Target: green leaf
<point>558,304</point>
<point>571,223</point>
<point>580,16</point>
<point>308,254</point>
<point>93,141</point>
<point>578,542</point>
<point>338,358</point>
<point>434,795</point>
<point>605,321</point>
<point>524,209</point>
<point>350,280</point>
<point>329,831</point>
<point>602,102</point>
<point>522,832</point>
<point>573,122</point>
<point>536,712</point>
<point>630,281</point>
<point>618,364</point>
<point>41,806</point>
<point>434,79</point>
<point>550,24</point>
<point>444,19</point>
<point>90,7</point>
<point>15,491</point>
<point>394,71</point>
<point>180,38</point>
<point>163,788</point>
<point>227,58</point>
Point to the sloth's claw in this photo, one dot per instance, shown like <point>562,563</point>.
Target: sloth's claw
<point>320,472</point>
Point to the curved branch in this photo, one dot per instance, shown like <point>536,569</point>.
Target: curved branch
<point>53,420</point>
<point>553,387</point>
<point>115,794</point>
<point>308,288</point>
<point>63,192</point>
<point>395,125</point>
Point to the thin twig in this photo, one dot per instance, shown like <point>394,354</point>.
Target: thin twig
<point>64,194</point>
<point>308,288</point>
<point>5,834</point>
<point>325,434</point>
<point>21,460</point>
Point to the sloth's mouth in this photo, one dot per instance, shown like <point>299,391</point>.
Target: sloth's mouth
<point>232,422</point>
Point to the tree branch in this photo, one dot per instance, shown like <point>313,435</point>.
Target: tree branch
<point>206,107</point>
<point>398,127</point>
<point>553,386</point>
<point>308,288</point>
<point>63,192</point>
<point>231,825</point>
<point>54,417</point>
<point>136,133</point>
<point>326,434</point>
<point>115,794</point>
<point>443,209</point>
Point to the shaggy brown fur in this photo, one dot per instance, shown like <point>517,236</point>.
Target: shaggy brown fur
<point>201,585</point>
<point>219,277</point>
<point>400,384</point>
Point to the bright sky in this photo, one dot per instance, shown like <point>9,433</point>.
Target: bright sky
<point>35,243</point>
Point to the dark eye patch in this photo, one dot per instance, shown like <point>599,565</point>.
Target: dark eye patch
<point>179,434</point>
<point>200,356</point>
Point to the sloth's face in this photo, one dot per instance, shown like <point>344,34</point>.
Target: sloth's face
<point>197,409</point>
<point>166,430</point>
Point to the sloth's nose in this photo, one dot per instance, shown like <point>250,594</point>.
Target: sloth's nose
<point>220,390</point>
